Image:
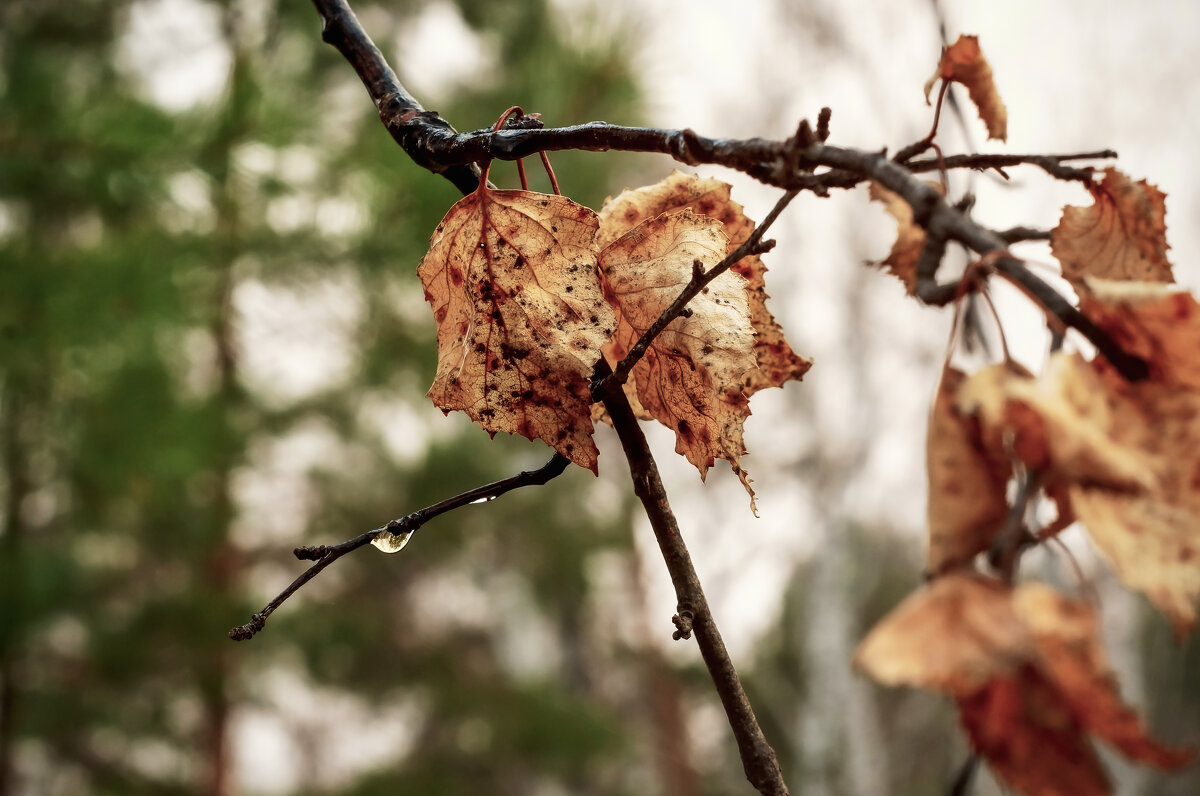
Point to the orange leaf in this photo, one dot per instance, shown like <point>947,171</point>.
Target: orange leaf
<point>691,377</point>
<point>963,62</point>
<point>967,502</point>
<point>910,237</point>
<point>521,316</point>
<point>1030,739</point>
<point>1123,459</point>
<point>775,359</point>
<point>1029,673</point>
<point>1064,424</point>
<point>1067,638</point>
<point>954,635</point>
<point>1159,323</point>
<point>1123,235</point>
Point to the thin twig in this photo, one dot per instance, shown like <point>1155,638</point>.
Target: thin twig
<point>700,279</point>
<point>1014,537</point>
<point>1022,234</point>
<point>324,555</point>
<point>1051,164</point>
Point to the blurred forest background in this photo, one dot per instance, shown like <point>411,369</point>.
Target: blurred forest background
<point>213,348</point>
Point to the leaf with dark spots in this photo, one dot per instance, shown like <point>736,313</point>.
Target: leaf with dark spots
<point>701,400</point>
<point>776,362</point>
<point>494,245</point>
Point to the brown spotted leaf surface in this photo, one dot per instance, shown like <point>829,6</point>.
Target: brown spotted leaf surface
<point>1122,235</point>
<point>691,378</point>
<point>775,360</point>
<point>967,502</point>
<point>1028,671</point>
<point>963,62</point>
<point>910,237</point>
<point>1159,323</point>
<point>521,316</point>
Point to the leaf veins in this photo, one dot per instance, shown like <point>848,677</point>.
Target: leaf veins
<point>1123,235</point>
<point>521,316</point>
<point>691,377</point>
<point>776,362</point>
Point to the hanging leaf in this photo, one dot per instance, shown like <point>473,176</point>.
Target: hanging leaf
<point>776,362</point>
<point>910,237</point>
<point>1030,676</point>
<point>963,62</point>
<point>1123,235</point>
<point>691,377</point>
<point>967,501</point>
<point>1126,458</point>
<point>1159,323</point>
<point>521,316</point>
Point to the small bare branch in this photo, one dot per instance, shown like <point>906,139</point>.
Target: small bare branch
<point>324,555</point>
<point>1022,234</point>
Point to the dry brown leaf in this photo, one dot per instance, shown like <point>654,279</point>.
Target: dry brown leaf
<point>967,502</point>
<point>1071,657</point>
<point>1030,739</point>
<point>776,361</point>
<point>1159,323</point>
<point>521,316</point>
<point>1028,670</point>
<point>1123,459</point>
<point>1063,424</point>
<point>1152,545</point>
<point>954,635</point>
<point>910,237</point>
<point>963,62</point>
<point>691,377</point>
<point>1123,235</point>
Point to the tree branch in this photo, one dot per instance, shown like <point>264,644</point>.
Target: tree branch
<point>324,555</point>
<point>694,616</point>
<point>790,164</point>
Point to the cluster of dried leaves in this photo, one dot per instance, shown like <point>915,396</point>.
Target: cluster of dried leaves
<point>1024,663</point>
<point>529,290</point>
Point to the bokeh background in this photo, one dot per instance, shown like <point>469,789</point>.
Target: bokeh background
<point>213,348</point>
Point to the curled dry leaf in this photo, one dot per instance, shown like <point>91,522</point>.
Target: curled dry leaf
<point>963,62</point>
<point>1019,724</point>
<point>1029,673</point>
<point>967,501</point>
<point>1123,235</point>
<point>691,377</point>
<point>910,237</point>
<point>521,316</point>
<point>775,360</point>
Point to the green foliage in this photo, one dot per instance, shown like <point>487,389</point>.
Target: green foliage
<point>132,422</point>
